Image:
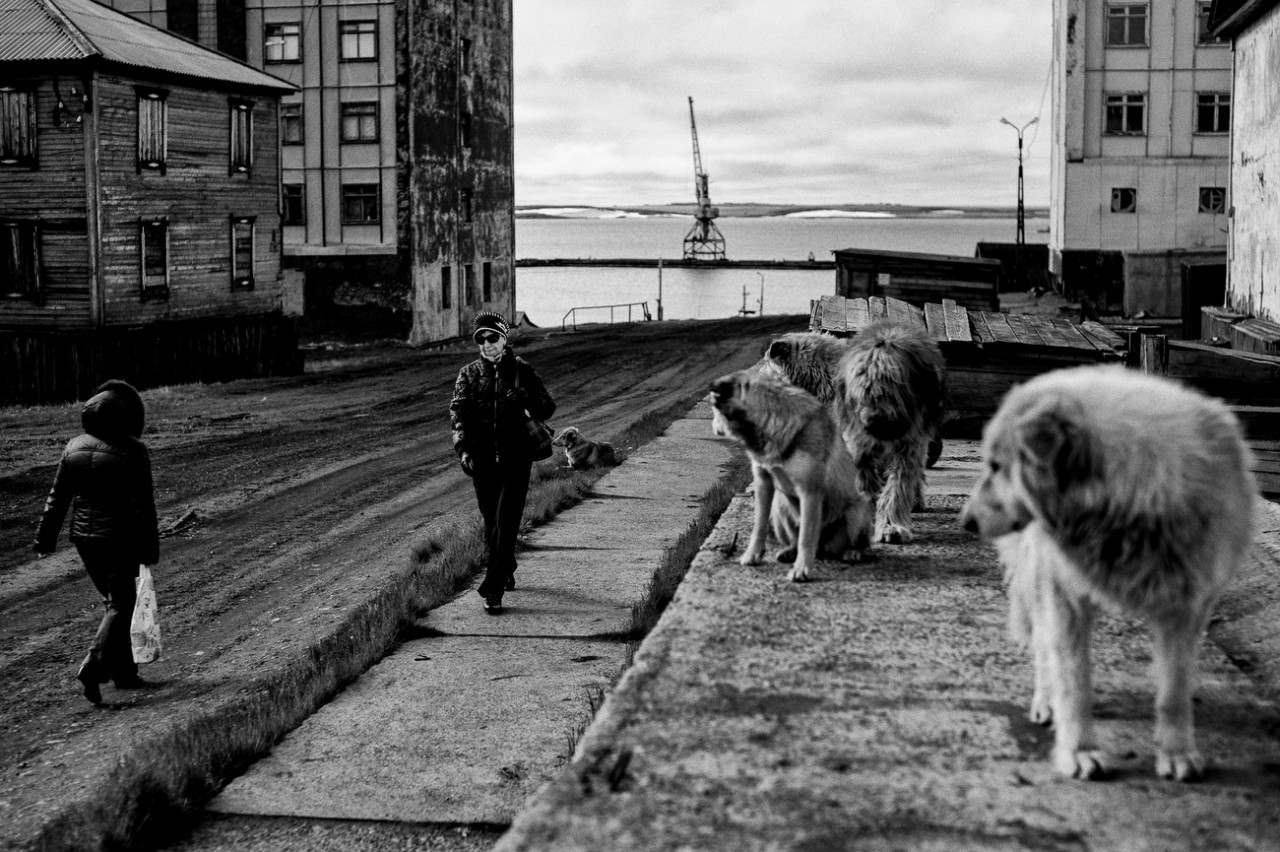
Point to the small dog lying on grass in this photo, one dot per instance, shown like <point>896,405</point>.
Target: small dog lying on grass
<point>580,454</point>
<point>1107,487</point>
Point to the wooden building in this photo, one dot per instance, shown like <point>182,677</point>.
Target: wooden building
<point>139,206</point>
<point>918,278</point>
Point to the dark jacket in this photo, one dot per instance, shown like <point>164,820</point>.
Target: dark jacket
<point>104,477</point>
<point>485,422</point>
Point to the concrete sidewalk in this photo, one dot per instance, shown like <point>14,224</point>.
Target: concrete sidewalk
<point>464,724</point>
<point>883,707</point>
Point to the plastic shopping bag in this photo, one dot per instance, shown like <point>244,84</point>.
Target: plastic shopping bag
<point>144,629</point>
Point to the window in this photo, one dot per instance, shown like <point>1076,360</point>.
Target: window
<point>464,60</point>
<point>358,39</point>
<point>464,129</point>
<point>360,122</point>
<point>1127,25</point>
<point>446,289</point>
<point>487,277</point>
<point>464,202</point>
<point>153,256</point>
<point>19,260</point>
<point>153,135</point>
<point>1213,199</point>
<point>1203,9</point>
<point>1213,112</point>
<point>242,253</point>
<point>1124,199</point>
<point>17,127</point>
<point>469,282</point>
<point>360,204</point>
<point>241,135</point>
<point>291,124</point>
<point>1126,114</point>
<point>293,201</point>
<point>282,43</point>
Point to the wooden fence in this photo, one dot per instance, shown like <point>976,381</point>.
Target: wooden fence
<point>46,366</point>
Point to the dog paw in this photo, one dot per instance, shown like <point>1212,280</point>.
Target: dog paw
<point>751,557</point>
<point>787,555</point>
<point>1085,765</point>
<point>854,555</point>
<point>895,535</point>
<point>799,574</point>
<point>1041,712</point>
<point>1180,766</point>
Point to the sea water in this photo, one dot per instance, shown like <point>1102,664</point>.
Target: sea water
<point>554,296</point>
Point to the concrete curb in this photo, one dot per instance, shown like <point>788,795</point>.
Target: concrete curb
<point>883,707</point>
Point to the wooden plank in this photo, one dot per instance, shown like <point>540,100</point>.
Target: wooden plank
<point>877,308</point>
<point>981,331</point>
<point>858,314</point>
<point>1023,329</point>
<point>1049,332</point>
<point>1099,333</point>
<point>935,321</point>
<point>1071,334</point>
<point>833,314</point>
<point>904,312</point>
<point>998,326</point>
<point>957,320</point>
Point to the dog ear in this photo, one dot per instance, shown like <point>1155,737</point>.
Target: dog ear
<point>1051,437</point>
<point>779,350</point>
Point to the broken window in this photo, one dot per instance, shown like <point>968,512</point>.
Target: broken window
<point>360,204</point>
<point>282,43</point>
<point>19,259</point>
<point>153,256</point>
<point>242,252</point>
<point>1126,114</point>
<point>17,127</point>
<point>153,132</point>
<point>1213,199</point>
<point>241,135</point>
<point>1124,199</point>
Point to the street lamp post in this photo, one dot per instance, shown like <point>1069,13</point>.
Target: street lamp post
<point>1019,263</point>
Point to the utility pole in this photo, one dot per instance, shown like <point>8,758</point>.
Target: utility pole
<point>1019,259</point>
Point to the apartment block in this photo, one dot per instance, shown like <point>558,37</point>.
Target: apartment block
<point>1140,163</point>
<point>397,193</point>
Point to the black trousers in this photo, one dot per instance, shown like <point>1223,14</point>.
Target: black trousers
<point>113,570</point>
<point>501,489</point>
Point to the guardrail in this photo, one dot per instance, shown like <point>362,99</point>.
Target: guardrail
<point>612,309</point>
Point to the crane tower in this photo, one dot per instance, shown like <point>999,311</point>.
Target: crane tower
<point>704,240</point>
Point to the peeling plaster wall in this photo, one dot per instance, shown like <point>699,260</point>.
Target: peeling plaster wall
<point>457,211</point>
<point>1254,272</point>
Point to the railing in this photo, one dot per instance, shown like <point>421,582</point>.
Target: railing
<point>612,309</point>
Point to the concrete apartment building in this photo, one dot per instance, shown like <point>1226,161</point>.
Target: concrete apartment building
<point>1140,162</point>
<point>397,192</point>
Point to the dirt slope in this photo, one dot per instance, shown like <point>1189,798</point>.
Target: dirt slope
<point>292,483</point>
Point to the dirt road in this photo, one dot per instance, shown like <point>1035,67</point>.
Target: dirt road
<point>293,484</point>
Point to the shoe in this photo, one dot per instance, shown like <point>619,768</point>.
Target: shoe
<point>493,605</point>
<point>134,682</point>
<point>90,684</point>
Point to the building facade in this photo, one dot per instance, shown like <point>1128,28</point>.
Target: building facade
<point>397,192</point>
<point>139,186</point>
<point>1253,278</point>
<point>1139,168</point>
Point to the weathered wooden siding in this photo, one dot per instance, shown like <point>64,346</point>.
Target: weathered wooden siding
<point>199,196</point>
<point>54,194</point>
<point>44,367</point>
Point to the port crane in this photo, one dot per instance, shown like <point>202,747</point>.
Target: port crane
<point>704,240</point>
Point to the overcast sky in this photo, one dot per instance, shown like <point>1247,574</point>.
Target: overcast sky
<point>801,101</point>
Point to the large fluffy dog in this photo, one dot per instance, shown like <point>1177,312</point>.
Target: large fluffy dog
<point>1105,486</point>
<point>805,481</point>
<point>580,453</point>
<point>887,388</point>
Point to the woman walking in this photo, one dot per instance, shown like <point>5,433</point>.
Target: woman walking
<point>104,477</point>
<point>493,398</point>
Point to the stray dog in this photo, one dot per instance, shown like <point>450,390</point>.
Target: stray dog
<point>887,388</point>
<point>581,453</point>
<point>1105,486</point>
<point>806,484</point>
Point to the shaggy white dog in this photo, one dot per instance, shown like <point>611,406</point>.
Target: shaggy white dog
<point>1106,486</point>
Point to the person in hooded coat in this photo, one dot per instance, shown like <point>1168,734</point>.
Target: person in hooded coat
<point>493,398</point>
<point>104,478</point>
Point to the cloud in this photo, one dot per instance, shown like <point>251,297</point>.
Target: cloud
<point>813,101</point>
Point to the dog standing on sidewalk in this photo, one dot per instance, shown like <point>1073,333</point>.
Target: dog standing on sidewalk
<point>1103,486</point>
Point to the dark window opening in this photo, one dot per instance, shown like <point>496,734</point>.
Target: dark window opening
<point>291,124</point>
<point>1203,10</point>
<point>17,127</point>
<point>242,253</point>
<point>1124,199</point>
<point>20,260</point>
<point>1213,112</point>
<point>241,136</point>
<point>446,288</point>
<point>293,199</point>
<point>488,281</point>
<point>153,256</point>
<point>469,283</point>
<point>1126,114</point>
<point>360,204</point>
<point>1213,199</point>
<point>1127,25</point>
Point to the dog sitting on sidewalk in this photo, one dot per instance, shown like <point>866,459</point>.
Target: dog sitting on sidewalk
<point>1107,487</point>
<point>580,454</point>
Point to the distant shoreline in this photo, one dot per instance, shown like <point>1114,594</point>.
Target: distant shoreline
<point>791,211</point>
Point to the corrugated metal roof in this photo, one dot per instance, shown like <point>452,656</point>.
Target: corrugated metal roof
<point>78,29</point>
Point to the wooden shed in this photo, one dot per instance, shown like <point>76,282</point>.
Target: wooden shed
<point>917,278</point>
<point>139,206</point>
